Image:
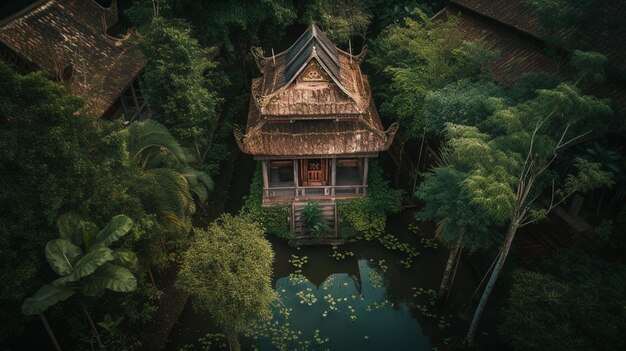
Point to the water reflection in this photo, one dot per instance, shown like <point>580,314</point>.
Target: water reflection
<point>352,311</point>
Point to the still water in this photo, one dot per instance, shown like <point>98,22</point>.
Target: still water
<point>350,312</point>
<point>375,299</point>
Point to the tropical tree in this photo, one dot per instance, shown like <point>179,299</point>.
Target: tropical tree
<point>85,263</point>
<point>41,177</point>
<point>227,271</point>
<point>462,224</point>
<point>463,102</point>
<point>534,133</point>
<point>415,58</point>
<point>163,163</point>
<point>175,87</point>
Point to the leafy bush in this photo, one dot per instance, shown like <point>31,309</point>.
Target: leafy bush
<point>272,219</point>
<point>368,215</point>
<point>575,302</point>
<point>314,221</point>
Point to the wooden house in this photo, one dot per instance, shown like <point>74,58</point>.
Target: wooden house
<point>313,124</point>
<point>74,42</point>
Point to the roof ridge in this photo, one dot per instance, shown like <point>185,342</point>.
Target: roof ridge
<point>23,11</point>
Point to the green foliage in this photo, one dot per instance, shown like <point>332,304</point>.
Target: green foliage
<point>447,202</point>
<point>390,12</point>
<point>340,20</point>
<point>227,270</point>
<point>91,268</point>
<point>117,227</point>
<point>589,66</point>
<point>416,58</point>
<point>476,191</point>
<point>588,176</point>
<point>46,297</point>
<point>576,305</point>
<point>526,88</point>
<point>83,164</point>
<point>164,166</point>
<point>576,24</point>
<point>461,102</point>
<point>272,219</point>
<point>109,276</point>
<point>368,215</point>
<point>174,83</point>
<point>52,159</point>
<point>237,25</point>
<point>314,221</point>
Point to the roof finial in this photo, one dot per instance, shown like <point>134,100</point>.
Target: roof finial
<point>273,58</point>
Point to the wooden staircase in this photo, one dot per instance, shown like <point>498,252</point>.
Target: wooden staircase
<point>329,213</point>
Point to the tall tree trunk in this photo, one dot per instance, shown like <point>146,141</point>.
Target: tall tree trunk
<point>508,240</point>
<point>446,281</point>
<point>419,160</point>
<point>50,332</point>
<point>156,290</point>
<point>93,325</point>
<point>233,342</point>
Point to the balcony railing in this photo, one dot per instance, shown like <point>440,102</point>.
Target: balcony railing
<point>281,193</point>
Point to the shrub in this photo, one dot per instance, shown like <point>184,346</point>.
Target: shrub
<point>368,215</point>
<point>314,221</point>
<point>272,219</point>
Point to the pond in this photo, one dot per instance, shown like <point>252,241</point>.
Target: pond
<point>349,312</point>
<point>358,296</point>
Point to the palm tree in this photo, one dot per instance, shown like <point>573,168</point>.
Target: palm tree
<point>165,164</point>
<point>82,258</point>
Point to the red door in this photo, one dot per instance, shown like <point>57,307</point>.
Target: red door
<point>314,171</point>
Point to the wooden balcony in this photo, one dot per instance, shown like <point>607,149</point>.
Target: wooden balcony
<point>287,181</point>
<point>281,194</point>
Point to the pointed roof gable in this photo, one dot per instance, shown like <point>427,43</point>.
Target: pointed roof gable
<point>313,43</point>
<point>276,92</point>
<point>312,101</point>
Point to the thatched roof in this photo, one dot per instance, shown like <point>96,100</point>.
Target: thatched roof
<point>362,136</point>
<point>519,15</point>
<point>312,101</point>
<point>512,29</point>
<point>68,38</point>
<point>517,57</point>
<point>312,50</point>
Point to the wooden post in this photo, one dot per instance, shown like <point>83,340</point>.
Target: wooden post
<point>333,175</point>
<point>295,176</point>
<point>365,168</point>
<point>132,91</point>
<point>265,178</point>
<point>124,109</point>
